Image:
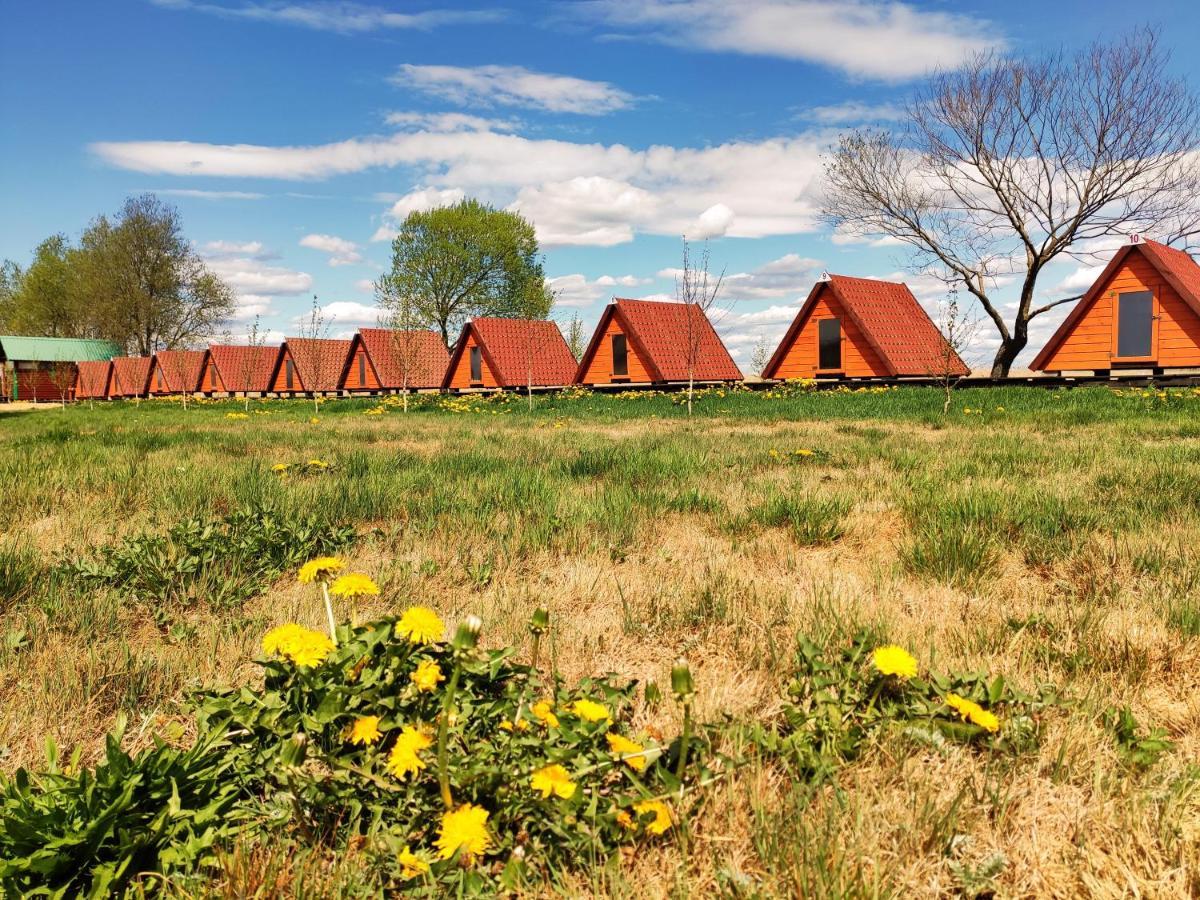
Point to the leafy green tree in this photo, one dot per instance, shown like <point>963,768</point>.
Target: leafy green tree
<point>44,298</point>
<point>465,260</point>
<point>10,283</point>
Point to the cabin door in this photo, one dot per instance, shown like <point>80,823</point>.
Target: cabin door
<point>1136,326</point>
<point>829,345</point>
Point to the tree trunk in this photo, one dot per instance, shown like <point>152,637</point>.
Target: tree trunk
<point>1010,349</point>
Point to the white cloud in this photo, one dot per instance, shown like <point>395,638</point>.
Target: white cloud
<point>235,248</point>
<point>247,307</point>
<point>366,285</point>
<point>846,235</point>
<point>333,15</point>
<point>713,222</point>
<point>513,86</point>
<point>576,290</point>
<point>448,122</point>
<point>341,251</point>
<point>420,200</point>
<point>890,41</point>
<point>791,274</point>
<point>853,112</point>
<point>207,195</point>
<point>345,314</point>
<point>250,275</point>
<point>574,193</point>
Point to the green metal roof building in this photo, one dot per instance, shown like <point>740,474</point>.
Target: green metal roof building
<point>28,364</point>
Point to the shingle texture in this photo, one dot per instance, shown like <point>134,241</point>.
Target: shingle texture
<point>896,326</point>
<point>319,361</point>
<point>92,381</point>
<point>389,349</point>
<point>244,368</point>
<point>180,368</point>
<point>513,346</point>
<point>667,333</point>
<point>129,375</point>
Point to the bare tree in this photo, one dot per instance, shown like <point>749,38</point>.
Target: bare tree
<point>62,376</point>
<point>403,319</point>
<point>694,287</point>
<point>536,304</point>
<point>959,329</point>
<point>576,336</point>
<point>319,366</point>
<point>761,355</point>
<point>250,364</point>
<point>1007,164</point>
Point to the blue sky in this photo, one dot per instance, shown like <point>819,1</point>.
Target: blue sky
<point>292,134</point>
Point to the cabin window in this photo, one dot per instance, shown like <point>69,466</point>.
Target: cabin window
<point>289,374</point>
<point>620,353</point>
<point>362,370</point>
<point>158,378</point>
<point>212,376</point>
<point>1135,324</point>
<point>476,364</point>
<point>829,344</point>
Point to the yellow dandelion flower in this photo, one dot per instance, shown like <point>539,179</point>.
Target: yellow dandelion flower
<point>553,780</point>
<point>279,637</point>
<point>543,712</point>
<point>804,451</point>
<point>320,569</point>
<point>411,865</point>
<point>301,645</point>
<point>893,660</point>
<point>404,758</point>
<point>363,731</point>
<point>354,585</point>
<point>662,815</point>
<point>313,421</point>
<point>318,464</point>
<point>420,625</point>
<point>973,712</point>
<point>589,710</point>
<point>624,819</point>
<point>280,467</point>
<point>464,831</point>
<point>427,675</point>
<point>621,746</point>
<point>521,725</point>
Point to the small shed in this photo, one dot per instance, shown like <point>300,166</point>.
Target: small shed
<point>862,328</point>
<point>44,368</point>
<point>378,356</point>
<point>92,379</point>
<point>509,353</point>
<point>1143,312</point>
<point>653,342</point>
<point>130,376</point>
<point>175,372</point>
<point>310,366</point>
<point>237,369</point>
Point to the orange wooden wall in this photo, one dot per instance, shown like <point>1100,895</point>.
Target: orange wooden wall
<point>461,376</point>
<point>1092,342</point>
<point>210,381</point>
<point>279,385</point>
<point>353,382</point>
<point>859,359</point>
<point>600,369</point>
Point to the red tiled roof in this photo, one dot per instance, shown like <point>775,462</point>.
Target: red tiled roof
<point>387,349</point>
<point>1177,267</point>
<point>510,346</point>
<point>664,334</point>
<point>181,368</point>
<point>319,361</point>
<point>890,318</point>
<point>130,374</point>
<point>244,368</point>
<point>92,379</point>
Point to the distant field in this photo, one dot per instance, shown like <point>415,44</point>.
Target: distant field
<point>1052,537</point>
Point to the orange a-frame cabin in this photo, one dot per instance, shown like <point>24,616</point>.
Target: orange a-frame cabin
<point>309,366</point>
<point>496,353</point>
<point>233,369</point>
<point>650,342</point>
<point>129,376</point>
<point>862,328</point>
<point>378,355</point>
<point>92,379</point>
<point>1143,312</point>
<point>175,372</point>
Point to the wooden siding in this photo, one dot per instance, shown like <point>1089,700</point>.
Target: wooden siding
<point>157,383</point>
<point>210,380</point>
<point>279,385</point>
<point>600,369</point>
<point>859,359</point>
<point>461,376</point>
<point>360,360</point>
<point>1092,343</point>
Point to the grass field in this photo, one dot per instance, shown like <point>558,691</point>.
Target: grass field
<point>1052,537</point>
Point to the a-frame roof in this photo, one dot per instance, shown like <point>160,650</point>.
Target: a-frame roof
<point>516,349</point>
<point>181,369</point>
<point>244,368</point>
<point>319,362</point>
<point>387,348</point>
<point>91,380</point>
<point>663,334</point>
<point>1177,268</point>
<point>890,319</point>
<point>130,375</point>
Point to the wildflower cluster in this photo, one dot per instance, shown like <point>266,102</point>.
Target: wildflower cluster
<point>796,455</point>
<point>307,468</point>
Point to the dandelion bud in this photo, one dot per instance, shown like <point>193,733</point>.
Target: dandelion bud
<point>681,680</point>
<point>295,750</point>
<point>653,693</point>
<point>539,621</point>
<point>467,636</point>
